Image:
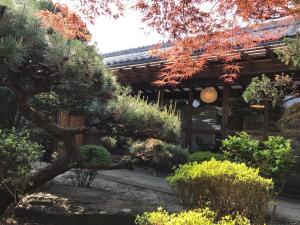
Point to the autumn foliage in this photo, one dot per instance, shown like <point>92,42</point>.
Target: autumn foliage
<point>66,22</point>
<point>200,30</point>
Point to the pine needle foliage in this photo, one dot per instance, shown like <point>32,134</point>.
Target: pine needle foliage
<point>144,119</point>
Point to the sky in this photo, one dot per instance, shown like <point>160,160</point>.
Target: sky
<point>124,33</point>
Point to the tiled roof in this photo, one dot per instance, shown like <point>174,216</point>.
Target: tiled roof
<point>141,55</point>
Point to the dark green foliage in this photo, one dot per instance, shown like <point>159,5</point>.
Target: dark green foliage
<point>135,117</point>
<point>274,157</point>
<point>290,122</point>
<point>225,187</point>
<point>202,156</point>
<point>94,154</point>
<point>262,89</point>
<point>44,139</point>
<point>17,153</point>
<point>117,144</point>
<point>158,154</point>
<point>52,68</point>
<point>241,148</point>
<point>8,108</point>
<point>290,53</point>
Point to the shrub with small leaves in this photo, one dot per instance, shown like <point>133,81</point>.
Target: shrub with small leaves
<point>193,217</point>
<point>202,156</point>
<point>91,155</point>
<point>94,154</point>
<point>17,152</point>
<point>274,157</point>
<point>227,188</point>
<point>158,154</point>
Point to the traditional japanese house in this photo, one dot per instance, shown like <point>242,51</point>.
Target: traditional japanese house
<point>211,109</point>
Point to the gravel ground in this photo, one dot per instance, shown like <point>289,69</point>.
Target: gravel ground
<point>153,198</point>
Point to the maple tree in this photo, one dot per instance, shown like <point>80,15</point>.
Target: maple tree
<point>65,22</point>
<point>198,30</point>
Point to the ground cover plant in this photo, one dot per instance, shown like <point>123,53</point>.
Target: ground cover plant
<point>192,217</point>
<point>227,188</point>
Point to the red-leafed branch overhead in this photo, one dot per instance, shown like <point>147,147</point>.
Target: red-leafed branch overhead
<point>213,28</point>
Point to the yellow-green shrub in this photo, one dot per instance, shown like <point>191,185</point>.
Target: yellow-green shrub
<point>225,187</point>
<point>192,217</point>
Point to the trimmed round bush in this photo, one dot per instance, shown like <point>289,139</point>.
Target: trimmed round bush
<point>158,154</point>
<point>94,154</point>
<point>202,156</point>
<point>192,217</point>
<point>226,187</point>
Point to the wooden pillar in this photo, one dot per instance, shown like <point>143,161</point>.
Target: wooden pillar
<point>161,96</point>
<point>266,119</point>
<point>225,109</point>
<point>189,119</point>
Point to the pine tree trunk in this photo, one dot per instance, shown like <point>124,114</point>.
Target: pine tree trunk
<point>5,200</point>
<point>63,164</point>
<point>35,180</point>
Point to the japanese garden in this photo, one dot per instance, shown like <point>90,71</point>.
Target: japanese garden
<point>200,128</point>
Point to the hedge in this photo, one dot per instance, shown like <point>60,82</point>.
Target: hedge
<point>225,187</point>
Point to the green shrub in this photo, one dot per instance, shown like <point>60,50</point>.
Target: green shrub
<point>91,155</point>
<point>46,140</point>
<point>240,148</point>
<point>17,153</point>
<point>225,187</point>
<point>158,154</point>
<point>144,120</point>
<point>94,154</point>
<point>205,156</point>
<point>274,157</point>
<point>192,217</point>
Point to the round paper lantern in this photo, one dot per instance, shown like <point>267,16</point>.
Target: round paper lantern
<point>209,95</point>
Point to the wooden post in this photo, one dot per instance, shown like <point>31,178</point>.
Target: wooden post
<point>266,119</point>
<point>225,110</point>
<point>189,119</point>
<point>161,96</point>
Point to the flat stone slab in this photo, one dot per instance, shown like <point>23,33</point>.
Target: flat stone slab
<point>65,204</point>
<point>288,208</point>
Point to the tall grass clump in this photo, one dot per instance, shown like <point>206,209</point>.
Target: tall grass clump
<point>147,120</point>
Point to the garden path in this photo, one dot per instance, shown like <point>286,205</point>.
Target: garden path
<point>287,208</point>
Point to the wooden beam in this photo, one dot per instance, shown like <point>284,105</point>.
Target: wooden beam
<point>248,58</point>
<point>189,119</point>
<point>266,119</point>
<point>272,55</point>
<point>160,96</point>
<point>225,110</point>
